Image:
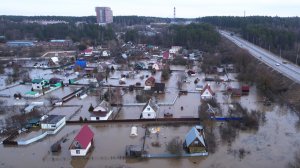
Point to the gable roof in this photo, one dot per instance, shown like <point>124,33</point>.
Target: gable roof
<point>194,134</point>
<point>207,87</point>
<point>37,80</point>
<point>84,137</point>
<point>166,55</point>
<point>104,106</point>
<point>152,105</point>
<point>151,80</point>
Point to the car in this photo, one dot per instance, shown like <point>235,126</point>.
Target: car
<point>277,64</point>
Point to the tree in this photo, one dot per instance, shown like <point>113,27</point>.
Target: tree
<point>165,74</point>
<point>51,99</point>
<point>91,108</point>
<point>175,146</point>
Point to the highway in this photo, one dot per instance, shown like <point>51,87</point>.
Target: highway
<point>286,68</point>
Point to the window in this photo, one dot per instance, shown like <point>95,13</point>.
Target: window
<point>148,108</point>
<point>38,87</point>
<point>77,151</point>
<point>149,114</point>
<point>97,118</point>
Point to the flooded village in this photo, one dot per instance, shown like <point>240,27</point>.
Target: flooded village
<point>142,106</point>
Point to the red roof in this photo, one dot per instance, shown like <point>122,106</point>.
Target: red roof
<point>166,55</point>
<point>209,89</point>
<point>84,137</point>
<point>245,88</point>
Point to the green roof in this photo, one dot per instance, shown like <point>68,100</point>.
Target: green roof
<point>38,80</point>
<point>31,93</point>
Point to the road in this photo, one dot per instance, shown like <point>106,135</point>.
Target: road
<point>288,69</point>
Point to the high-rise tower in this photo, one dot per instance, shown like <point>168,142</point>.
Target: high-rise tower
<point>104,15</point>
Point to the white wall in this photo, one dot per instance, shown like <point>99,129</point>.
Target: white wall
<point>83,152</point>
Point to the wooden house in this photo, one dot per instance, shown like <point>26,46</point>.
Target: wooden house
<point>195,141</point>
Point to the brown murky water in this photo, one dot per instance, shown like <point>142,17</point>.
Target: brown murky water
<point>272,145</point>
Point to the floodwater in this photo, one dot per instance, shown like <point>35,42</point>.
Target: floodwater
<point>272,145</point>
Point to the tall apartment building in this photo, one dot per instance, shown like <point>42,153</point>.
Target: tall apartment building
<point>104,15</point>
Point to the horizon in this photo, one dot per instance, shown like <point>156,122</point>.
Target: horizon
<point>164,9</point>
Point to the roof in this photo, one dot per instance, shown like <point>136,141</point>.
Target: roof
<point>207,87</point>
<point>85,136</point>
<point>152,105</point>
<point>245,88</point>
<point>104,106</point>
<point>151,80</point>
<point>159,87</point>
<point>194,134</point>
<point>166,55</point>
<point>37,80</point>
<point>52,119</point>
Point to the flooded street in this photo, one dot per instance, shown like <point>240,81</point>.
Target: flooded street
<point>273,145</point>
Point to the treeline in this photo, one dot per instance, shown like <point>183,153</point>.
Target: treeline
<point>119,20</point>
<point>90,32</point>
<point>192,36</point>
<point>280,35</point>
<point>70,19</point>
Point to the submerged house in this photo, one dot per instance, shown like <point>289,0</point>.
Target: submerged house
<point>150,81</point>
<point>158,87</point>
<point>82,142</point>
<point>195,140</point>
<point>102,112</point>
<point>207,93</point>
<point>39,84</point>
<point>53,123</point>
<point>150,110</point>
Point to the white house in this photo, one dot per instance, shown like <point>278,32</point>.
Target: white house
<point>102,112</point>
<point>207,93</point>
<point>150,110</point>
<point>175,49</point>
<point>39,84</point>
<point>105,53</point>
<point>82,142</point>
<point>52,123</point>
<point>156,66</point>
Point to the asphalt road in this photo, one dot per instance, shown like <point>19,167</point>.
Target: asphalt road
<point>287,69</point>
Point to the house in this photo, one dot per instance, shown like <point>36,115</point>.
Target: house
<point>150,110</point>
<point>39,84</point>
<point>52,123</point>
<point>199,87</point>
<point>167,55</point>
<point>56,82</point>
<point>207,93</point>
<point>140,66</point>
<point>81,63</point>
<point>102,112</point>
<point>245,90</point>
<point>159,88</point>
<point>150,81</point>
<point>156,66</point>
<point>191,73</point>
<point>82,142</point>
<point>105,53</point>
<point>88,52</point>
<point>175,49</point>
<point>195,140</point>
<point>133,151</point>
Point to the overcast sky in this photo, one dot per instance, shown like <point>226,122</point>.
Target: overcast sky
<point>160,8</point>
